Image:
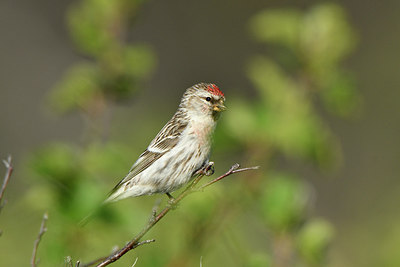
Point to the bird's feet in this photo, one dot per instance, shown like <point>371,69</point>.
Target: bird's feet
<point>207,170</point>
<point>171,200</point>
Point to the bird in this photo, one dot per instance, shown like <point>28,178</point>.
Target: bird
<point>180,150</point>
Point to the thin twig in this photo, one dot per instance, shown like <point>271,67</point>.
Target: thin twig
<point>68,262</point>
<point>95,261</point>
<point>43,230</point>
<point>155,209</point>
<point>7,176</point>
<point>232,170</point>
<point>134,243</point>
<point>104,261</point>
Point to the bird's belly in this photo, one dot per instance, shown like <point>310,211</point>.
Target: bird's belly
<point>175,168</point>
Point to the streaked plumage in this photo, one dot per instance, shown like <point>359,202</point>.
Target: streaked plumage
<point>179,150</point>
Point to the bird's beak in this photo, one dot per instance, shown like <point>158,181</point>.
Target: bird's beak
<point>219,107</point>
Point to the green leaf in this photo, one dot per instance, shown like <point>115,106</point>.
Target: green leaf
<point>289,122</point>
<point>339,95</point>
<point>57,162</point>
<point>77,89</point>
<point>326,36</point>
<point>241,121</point>
<point>59,167</point>
<point>279,26</point>
<point>283,202</point>
<point>139,61</point>
<point>106,160</point>
<point>91,25</point>
<point>313,240</point>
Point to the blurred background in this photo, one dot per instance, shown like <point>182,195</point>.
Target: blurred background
<point>312,94</point>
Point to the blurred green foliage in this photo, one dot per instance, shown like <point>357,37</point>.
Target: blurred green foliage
<point>284,202</point>
<point>299,72</point>
<point>319,41</point>
<point>263,218</point>
<point>100,30</point>
<point>313,240</point>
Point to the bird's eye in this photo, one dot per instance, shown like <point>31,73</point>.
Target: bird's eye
<point>208,99</point>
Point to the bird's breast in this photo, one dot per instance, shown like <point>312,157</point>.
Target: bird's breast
<point>202,131</point>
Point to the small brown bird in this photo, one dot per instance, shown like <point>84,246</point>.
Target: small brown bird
<point>179,150</point>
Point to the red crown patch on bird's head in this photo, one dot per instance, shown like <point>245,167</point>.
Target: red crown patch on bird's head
<point>213,89</point>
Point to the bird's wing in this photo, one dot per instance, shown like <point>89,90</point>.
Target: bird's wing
<point>165,140</point>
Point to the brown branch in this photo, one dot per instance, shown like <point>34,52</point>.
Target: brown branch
<point>104,261</point>
<point>232,170</point>
<point>7,176</point>
<point>135,242</point>
<point>43,230</point>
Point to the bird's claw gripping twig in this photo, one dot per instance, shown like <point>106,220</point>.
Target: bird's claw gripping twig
<point>207,170</point>
<point>171,200</point>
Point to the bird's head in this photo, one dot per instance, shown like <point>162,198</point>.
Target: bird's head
<point>204,99</point>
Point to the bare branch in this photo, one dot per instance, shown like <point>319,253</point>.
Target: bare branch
<point>135,242</point>
<point>43,230</point>
<point>7,176</point>
<point>154,210</point>
<point>232,170</point>
<point>104,261</point>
